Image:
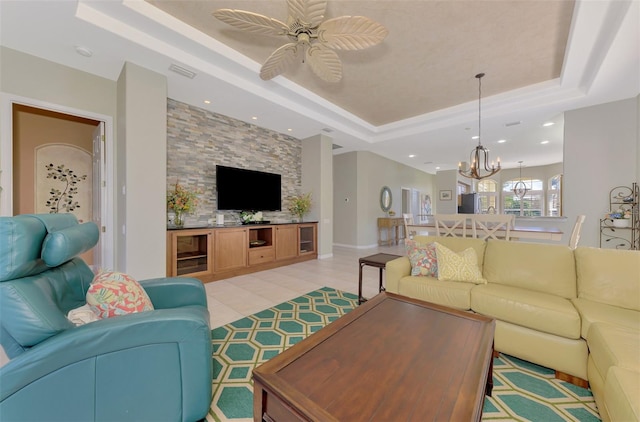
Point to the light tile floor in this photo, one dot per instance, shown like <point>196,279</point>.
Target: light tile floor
<point>237,297</point>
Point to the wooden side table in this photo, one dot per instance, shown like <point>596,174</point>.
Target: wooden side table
<point>392,227</point>
<point>379,261</point>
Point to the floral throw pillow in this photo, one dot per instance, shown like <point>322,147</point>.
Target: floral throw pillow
<point>462,266</point>
<point>113,293</point>
<point>423,259</point>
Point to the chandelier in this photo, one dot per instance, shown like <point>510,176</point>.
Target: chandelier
<point>520,189</point>
<point>479,157</point>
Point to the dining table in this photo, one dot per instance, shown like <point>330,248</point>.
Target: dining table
<point>516,233</point>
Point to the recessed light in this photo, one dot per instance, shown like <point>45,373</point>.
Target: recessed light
<point>475,137</point>
<point>254,118</point>
<point>437,168</point>
<point>544,142</point>
<point>411,155</point>
<point>207,102</point>
<point>502,141</point>
<point>547,124</point>
<point>290,130</point>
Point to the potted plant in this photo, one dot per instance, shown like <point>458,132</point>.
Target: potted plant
<point>181,200</point>
<point>620,217</point>
<point>300,205</point>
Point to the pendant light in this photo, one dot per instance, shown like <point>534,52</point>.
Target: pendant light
<point>520,188</point>
<point>479,158</point>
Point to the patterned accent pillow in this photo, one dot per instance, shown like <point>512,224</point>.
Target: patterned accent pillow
<point>423,259</point>
<point>113,293</point>
<point>461,266</point>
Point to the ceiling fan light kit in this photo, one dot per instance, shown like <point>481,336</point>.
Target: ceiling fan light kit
<point>479,158</point>
<point>309,35</point>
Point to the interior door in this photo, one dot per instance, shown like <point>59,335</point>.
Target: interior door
<point>99,191</point>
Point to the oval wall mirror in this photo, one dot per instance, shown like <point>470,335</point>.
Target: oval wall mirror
<point>385,199</point>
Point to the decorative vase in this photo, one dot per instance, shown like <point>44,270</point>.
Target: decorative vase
<point>300,218</point>
<point>621,222</point>
<point>178,221</point>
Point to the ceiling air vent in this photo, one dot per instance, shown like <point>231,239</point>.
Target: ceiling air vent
<point>182,71</point>
<point>327,130</point>
<point>336,146</point>
<point>512,124</point>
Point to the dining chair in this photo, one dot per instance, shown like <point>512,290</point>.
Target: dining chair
<point>492,226</point>
<point>408,221</point>
<point>450,224</point>
<point>575,234</point>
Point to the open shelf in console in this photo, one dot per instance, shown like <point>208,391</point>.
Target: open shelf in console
<point>260,237</point>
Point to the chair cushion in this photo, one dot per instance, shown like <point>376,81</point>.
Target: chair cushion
<point>611,345</point>
<point>113,293</point>
<point>621,392</point>
<point>609,276</point>
<point>29,309</point>
<point>62,245</point>
<point>543,312</point>
<point>592,312</point>
<point>538,267</point>
<point>453,294</point>
<point>22,238</point>
<point>462,266</point>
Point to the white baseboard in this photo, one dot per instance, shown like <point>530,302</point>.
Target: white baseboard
<point>375,245</point>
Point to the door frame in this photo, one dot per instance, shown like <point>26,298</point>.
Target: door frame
<point>6,164</point>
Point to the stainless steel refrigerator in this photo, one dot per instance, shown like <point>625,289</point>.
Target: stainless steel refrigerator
<point>469,204</point>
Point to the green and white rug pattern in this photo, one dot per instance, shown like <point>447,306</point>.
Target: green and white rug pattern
<point>522,391</point>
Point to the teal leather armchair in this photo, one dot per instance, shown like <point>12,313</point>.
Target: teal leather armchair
<point>148,366</point>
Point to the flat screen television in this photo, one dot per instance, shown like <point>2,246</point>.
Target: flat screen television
<point>248,190</point>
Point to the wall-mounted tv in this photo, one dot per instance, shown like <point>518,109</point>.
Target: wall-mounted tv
<point>248,190</point>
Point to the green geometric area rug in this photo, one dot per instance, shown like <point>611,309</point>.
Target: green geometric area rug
<point>522,391</point>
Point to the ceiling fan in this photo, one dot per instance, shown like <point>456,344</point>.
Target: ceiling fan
<point>309,35</point>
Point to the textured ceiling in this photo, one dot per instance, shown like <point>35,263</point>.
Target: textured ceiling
<point>412,99</point>
<point>430,57</point>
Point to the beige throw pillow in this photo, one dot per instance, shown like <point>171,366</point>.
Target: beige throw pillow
<point>461,266</point>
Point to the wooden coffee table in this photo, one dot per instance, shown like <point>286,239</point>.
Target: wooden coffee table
<point>393,358</point>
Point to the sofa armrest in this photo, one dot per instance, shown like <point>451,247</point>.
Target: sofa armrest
<point>175,292</point>
<point>396,269</point>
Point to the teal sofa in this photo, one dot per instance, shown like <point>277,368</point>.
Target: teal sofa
<point>147,366</point>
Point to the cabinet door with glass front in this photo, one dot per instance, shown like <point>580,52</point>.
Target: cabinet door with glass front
<point>189,253</point>
<point>306,239</point>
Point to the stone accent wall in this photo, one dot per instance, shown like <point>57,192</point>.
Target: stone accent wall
<point>198,140</point>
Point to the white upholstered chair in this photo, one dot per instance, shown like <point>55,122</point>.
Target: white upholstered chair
<point>486,226</point>
<point>450,224</point>
<point>575,234</point>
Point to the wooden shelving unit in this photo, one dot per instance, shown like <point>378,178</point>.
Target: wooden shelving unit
<point>217,253</point>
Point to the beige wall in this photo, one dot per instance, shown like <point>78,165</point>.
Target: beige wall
<point>142,169</point>
<point>600,152</point>
<point>317,178</point>
<point>36,78</point>
<point>359,176</point>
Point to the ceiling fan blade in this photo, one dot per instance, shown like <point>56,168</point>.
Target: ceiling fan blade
<point>252,22</point>
<point>309,12</point>
<point>351,33</point>
<point>325,63</point>
<point>279,61</point>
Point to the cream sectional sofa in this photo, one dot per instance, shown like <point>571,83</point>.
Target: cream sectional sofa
<point>577,312</point>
